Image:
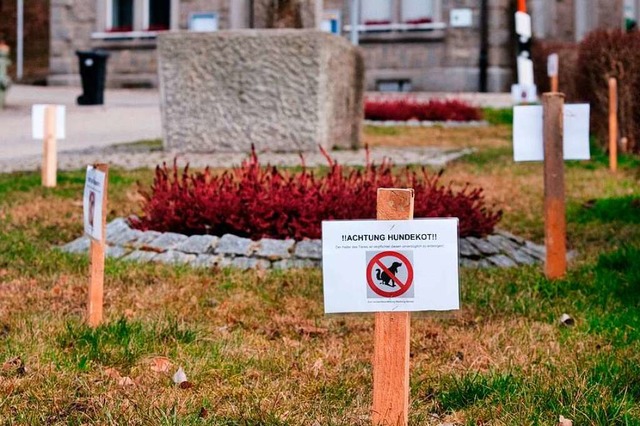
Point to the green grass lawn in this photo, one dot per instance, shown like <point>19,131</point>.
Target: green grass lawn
<point>258,350</point>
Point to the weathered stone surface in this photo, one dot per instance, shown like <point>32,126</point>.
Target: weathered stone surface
<point>502,261</point>
<point>309,249</point>
<point>467,249</point>
<point>468,263</point>
<point>79,245</point>
<point>281,90</point>
<point>126,237</point>
<point>140,256</point>
<point>274,249</point>
<point>145,238</point>
<point>174,257</point>
<point>510,236</point>
<point>167,241</point>
<point>250,263</point>
<point>116,252</point>
<point>521,257</point>
<point>295,264</point>
<point>484,263</point>
<point>116,227</point>
<point>504,244</point>
<point>206,261</point>
<point>484,246</point>
<point>231,244</point>
<point>199,244</point>
<point>537,251</point>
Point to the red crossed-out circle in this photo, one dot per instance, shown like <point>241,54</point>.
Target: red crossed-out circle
<point>375,261</point>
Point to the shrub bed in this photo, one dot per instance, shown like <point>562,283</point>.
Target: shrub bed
<point>603,54</point>
<point>411,109</point>
<point>255,201</point>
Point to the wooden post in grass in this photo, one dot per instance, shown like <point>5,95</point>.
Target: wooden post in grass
<point>49,155</point>
<point>554,204</point>
<point>391,341</point>
<point>613,124</point>
<point>97,251</point>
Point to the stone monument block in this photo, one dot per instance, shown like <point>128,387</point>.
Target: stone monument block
<point>280,90</point>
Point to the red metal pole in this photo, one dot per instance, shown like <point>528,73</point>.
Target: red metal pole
<point>522,6</point>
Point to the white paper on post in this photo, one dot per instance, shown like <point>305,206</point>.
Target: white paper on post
<point>92,202</point>
<point>37,121</point>
<point>552,65</point>
<point>528,144</point>
<point>390,265</point>
<point>525,71</point>
<point>523,25</point>
<point>524,93</point>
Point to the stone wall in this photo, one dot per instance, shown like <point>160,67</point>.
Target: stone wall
<point>280,90</point>
<point>502,249</point>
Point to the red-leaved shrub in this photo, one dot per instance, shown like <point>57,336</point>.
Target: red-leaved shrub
<point>411,109</point>
<point>255,201</point>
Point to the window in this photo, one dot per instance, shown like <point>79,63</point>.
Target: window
<point>376,12</point>
<point>387,15</point>
<point>159,15</point>
<point>136,15</point>
<point>417,11</point>
<point>121,16</point>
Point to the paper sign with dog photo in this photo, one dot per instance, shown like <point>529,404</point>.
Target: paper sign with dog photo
<point>92,202</point>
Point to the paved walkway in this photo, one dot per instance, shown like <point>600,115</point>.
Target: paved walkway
<point>134,115</point>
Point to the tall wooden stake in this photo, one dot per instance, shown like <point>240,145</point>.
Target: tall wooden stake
<point>96,283</point>
<point>49,155</point>
<point>554,83</point>
<point>613,124</point>
<point>555,229</point>
<point>391,341</point>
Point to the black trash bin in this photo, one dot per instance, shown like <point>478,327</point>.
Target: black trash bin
<point>93,71</point>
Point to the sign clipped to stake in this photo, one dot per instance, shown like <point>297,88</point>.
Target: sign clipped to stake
<point>390,266</point>
<point>48,124</point>
<point>94,204</point>
<point>553,132</point>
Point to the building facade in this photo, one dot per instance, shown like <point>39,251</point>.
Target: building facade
<point>408,45</point>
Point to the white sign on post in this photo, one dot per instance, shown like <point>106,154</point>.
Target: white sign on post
<point>528,132</point>
<point>37,121</point>
<point>552,65</point>
<point>92,202</point>
<point>390,265</point>
<point>523,25</point>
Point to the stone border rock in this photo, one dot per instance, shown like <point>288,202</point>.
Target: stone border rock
<point>501,249</point>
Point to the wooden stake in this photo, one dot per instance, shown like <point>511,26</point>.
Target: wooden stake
<point>554,204</point>
<point>554,83</point>
<point>613,124</point>
<point>49,156</point>
<point>96,283</point>
<point>391,341</point>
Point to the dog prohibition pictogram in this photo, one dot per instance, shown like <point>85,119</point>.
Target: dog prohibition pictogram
<point>389,273</point>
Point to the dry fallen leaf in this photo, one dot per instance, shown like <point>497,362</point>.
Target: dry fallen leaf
<point>16,365</point>
<point>160,364</point>
<point>318,366</point>
<point>125,381</point>
<point>565,422</point>
<point>112,373</point>
<point>179,376</point>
